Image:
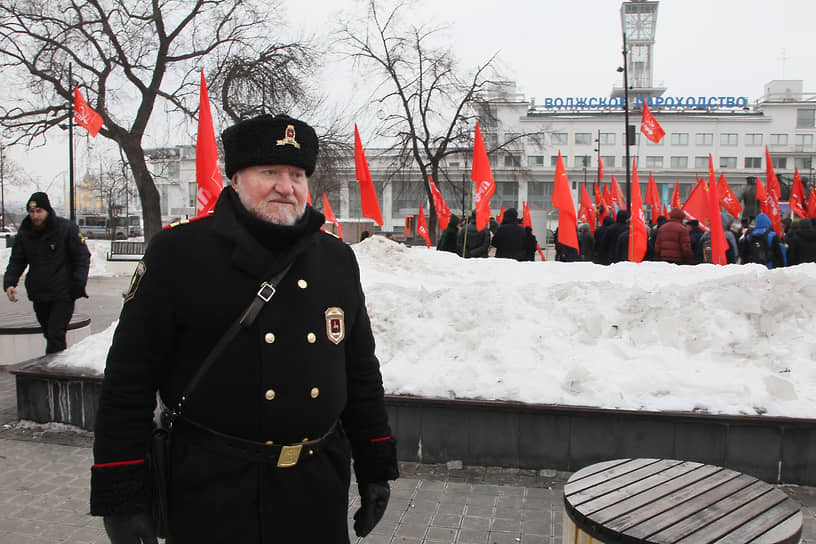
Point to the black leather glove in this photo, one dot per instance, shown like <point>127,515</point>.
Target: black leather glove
<point>373,501</point>
<point>130,529</point>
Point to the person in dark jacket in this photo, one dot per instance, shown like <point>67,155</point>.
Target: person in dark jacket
<point>773,253</point>
<point>586,243</point>
<point>447,240</point>
<point>262,450</point>
<point>509,237</point>
<point>58,261</point>
<point>650,246</point>
<point>696,240</point>
<point>607,246</point>
<point>801,242</point>
<point>601,257</point>
<point>530,244</point>
<point>472,242</point>
<point>673,244</point>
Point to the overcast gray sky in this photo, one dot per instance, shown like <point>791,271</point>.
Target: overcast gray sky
<point>572,47</point>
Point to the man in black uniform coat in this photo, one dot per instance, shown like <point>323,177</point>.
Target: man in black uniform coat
<point>58,261</point>
<point>300,387</point>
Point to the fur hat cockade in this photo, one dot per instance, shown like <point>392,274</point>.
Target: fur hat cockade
<point>269,140</point>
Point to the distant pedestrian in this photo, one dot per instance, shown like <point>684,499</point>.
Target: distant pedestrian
<point>601,233</point>
<point>530,244</point>
<point>695,238</point>
<point>472,242</point>
<point>673,244</point>
<point>58,261</point>
<point>447,240</point>
<point>801,242</point>
<point>586,243</point>
<point>761,245</point>
<point>509,237</point>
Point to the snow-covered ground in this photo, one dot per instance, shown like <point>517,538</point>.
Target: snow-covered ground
<point>649,336</point>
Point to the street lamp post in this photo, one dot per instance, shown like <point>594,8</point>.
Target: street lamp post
<point>625,71</point>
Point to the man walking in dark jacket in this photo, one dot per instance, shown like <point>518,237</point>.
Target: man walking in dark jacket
<point>58,261</point>
<point>472,242</point>
<point>509,238</point>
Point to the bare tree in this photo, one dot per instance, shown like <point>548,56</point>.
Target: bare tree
<point>127,56</point>
<point>426,99</point>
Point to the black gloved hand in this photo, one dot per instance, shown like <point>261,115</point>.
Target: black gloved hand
<point>373,501</point>
<point>130,529</point>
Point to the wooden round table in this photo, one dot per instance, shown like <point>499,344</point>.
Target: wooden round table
<point>670,501</point>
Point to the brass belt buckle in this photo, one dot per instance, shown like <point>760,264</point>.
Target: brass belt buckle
<point>289,456</point>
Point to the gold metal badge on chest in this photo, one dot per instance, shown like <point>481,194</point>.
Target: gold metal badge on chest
<point>335,324</point>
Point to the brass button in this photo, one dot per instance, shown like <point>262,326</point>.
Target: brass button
<point>305,439</point>
<point>270,394</point>
<point>269,443</point>
<point>314,392</point>
<point>302,284</point>
<point>269,338</point>
<point>311,452</point>
<point>311,338</point>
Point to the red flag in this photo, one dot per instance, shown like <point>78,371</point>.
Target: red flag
<point>208,173</point>
<point>653,197</point>
<point>675,198</point>
<point>638,233</point>
<point>586,212</point>
<point>308,196</point>
<point>797,197</point>
<point>369,205</point>
<point>811,205</point>
<point>728,199</point>
<point>761,193</point>
<point>649,125</point>
<point>562,199</point>
<point>608,200</point>
<point>600,168</point>
<point>718,241</point>
<point>773,182</point>
<point>483,177</point>
<point>329,214</point>
<point>617,195</point>
<point>501,215</point>
<point>600,205</point>
<point>442,210</point>
<point>85,116</point>
<point>696,206</point>
<point>422,227</point>
<point>526,220</point>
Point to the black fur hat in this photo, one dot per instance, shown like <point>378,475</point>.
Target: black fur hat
<point>269,140</point>
<point>40,200</point>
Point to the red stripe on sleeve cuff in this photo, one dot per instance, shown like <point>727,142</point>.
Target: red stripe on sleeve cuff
<point>119,463</point>
<point>381,439</point>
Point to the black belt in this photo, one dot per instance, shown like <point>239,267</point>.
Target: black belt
<point>282,455</point>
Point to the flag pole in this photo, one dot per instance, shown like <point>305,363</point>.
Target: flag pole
<point>72,211</point>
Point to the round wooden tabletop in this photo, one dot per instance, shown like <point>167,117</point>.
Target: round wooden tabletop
<point>670,501</point>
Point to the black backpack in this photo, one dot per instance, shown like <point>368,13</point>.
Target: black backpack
<point>759,250</point>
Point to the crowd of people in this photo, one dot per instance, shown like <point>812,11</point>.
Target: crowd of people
<point>509,240</point>
<point>674,239</point>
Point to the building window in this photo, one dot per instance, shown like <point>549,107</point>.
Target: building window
<point>607,138</point>
<point>779,162</point>
<point>679,162</point>
<point>192,194</point>
<point>512,137</point>
<point>583,138</point>
<point>753,162</point>
<point>583,161</point>
<point>535,161</point>
<point>704,138</point>
<point>554,160</point>
<point>536,139</point>
<point>803,140</point>
<point>805,118</point>
<point>560,138</point>
<point>779,139</point>
<point>728,162</point>
<point>491,140</point>
<point>753,139</point>
<point>608,161</point>
<point>803,163</point>
<point>453,164</point>
<point>649,142</point>
<point>728,139</point>
<point>164,198</point>
<point>654,162</point>
<point>512,161</point>
<point>701,163</point>
<point>679,138</point>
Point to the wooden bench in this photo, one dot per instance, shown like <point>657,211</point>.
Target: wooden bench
<point>126,250</point>
<point>671,501</point>
<point>21,336</point>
